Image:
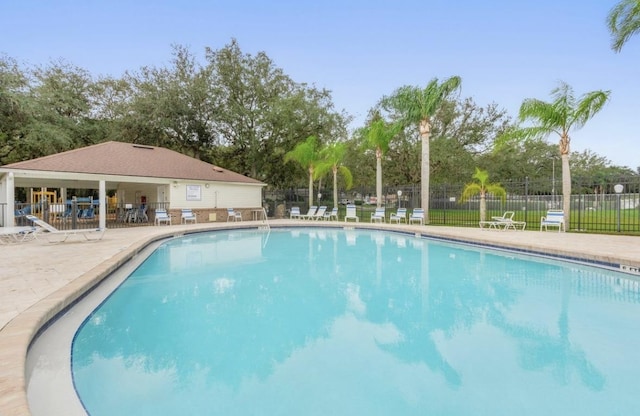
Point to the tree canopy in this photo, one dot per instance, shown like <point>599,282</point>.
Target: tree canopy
<point>243,112</point>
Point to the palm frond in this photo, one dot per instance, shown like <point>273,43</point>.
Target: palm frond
<point>305,153</point>
<point>346,175</point>
<point>590,104</point>
<point>470,190</point>
<point>322,168</point>
<point>380,133</point>
<point>507,139</point>
<point>623,22</point>
<point>497,190</point>
<point>481,175</point>
<point>533,109</point>
<point>564,112</point>
<point>416,104</point>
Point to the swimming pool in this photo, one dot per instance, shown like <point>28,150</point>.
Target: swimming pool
<point>326,321</point>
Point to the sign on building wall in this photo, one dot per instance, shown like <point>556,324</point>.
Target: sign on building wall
<point>194,193</point>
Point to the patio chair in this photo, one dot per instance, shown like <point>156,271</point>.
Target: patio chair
<point>67,214</point>
<point>141,214</point>
<point>378,215</point>
<point>554,218</point>
<point>498,222</point>
<point>417,216</point>
<point>295,213</point>
<point>399,216</point>
<point>188,215</point>
<point>319,213</point>
<point>488,225</point>
<point>87,214</point>
<point>162,217</point>
<point>9,235</point>
<point>20,215</point>
<point>505,222</point>
<point>331,215</point>
<point>310,213</point>
<point>59,236</point>
<point>351,213</point>
<point>507,216</point>
<point>232,215</point>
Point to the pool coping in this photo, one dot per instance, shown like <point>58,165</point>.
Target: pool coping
<point>18,334</point>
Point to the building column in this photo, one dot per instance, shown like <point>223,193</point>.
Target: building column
<point>9,198</point>
<point>102,194</point>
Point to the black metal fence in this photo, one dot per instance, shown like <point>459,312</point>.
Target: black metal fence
<point>83,213</point>
<point>595,204</point>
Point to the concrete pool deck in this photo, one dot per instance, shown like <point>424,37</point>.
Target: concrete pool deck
<point>39,279</point>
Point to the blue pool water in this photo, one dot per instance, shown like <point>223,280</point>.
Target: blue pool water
<point>358,322</point>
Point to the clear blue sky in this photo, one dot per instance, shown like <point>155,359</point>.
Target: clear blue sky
<point>504,50</point>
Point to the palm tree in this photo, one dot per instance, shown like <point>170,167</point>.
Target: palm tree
<point>482,187</point>
<point>307,155</point>
<point>623,22</point>
<point>378,136</point>
<point>331,158</point>
<point>417,106</point>
<point>560,116</point>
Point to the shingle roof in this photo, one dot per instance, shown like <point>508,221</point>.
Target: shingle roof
<point>117,158</point>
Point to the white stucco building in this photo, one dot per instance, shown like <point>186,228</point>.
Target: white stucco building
<point>137,174</point>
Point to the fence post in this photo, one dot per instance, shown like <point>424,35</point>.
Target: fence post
<point>526,198</point>
<point>74,212</point>
<point>580,207</point>
<point>44,206</point>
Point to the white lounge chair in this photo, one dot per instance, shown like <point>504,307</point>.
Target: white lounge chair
<point>502,222</point>
<point>188,215</point>
<point>505,222</point>
<point>9,235</point>
<point>378,215</point>
<point>489,225</point>
<point>319,213</point>
<point>310,213</point>
<point>417,216</point>
<point>399,216</point>
<point>232,215</point>
<point>162,217</point>
<point>331,215</point>
<point>59,236</point>
<point>507,216</point>
<point>295,213</point>
<point>351,213</point>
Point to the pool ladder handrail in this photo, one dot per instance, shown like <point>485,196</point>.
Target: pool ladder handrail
<point>266,226</point>
<point>265,220</point>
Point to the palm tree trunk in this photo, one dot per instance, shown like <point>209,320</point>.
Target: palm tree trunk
<point>564,147</point>
<point>566,190</point>
<point>483,207</point>
<point>425,133</point>
<point>379,177</point>
<point>335,186</point>
<point>310,186</point>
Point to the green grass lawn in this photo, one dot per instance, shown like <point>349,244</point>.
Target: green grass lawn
<point>590,221</point>
<point>596,221</point>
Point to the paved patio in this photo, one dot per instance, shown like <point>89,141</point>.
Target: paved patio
<point>39,279</point>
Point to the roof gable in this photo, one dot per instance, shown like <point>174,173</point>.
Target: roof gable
<point>118,158</point>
